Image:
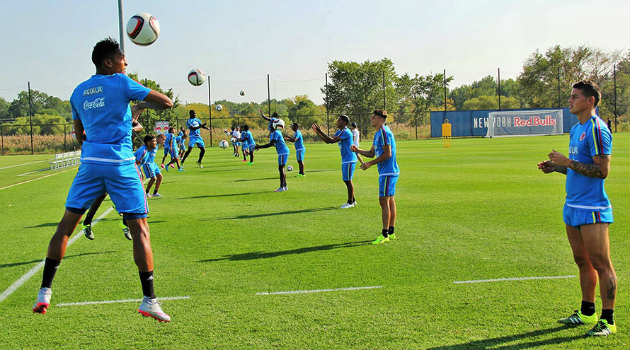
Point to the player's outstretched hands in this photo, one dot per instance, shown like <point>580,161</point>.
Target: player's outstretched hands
<point>559,158</point>
<point>365,166</point>
<point>315,127</point>
<point>547,166</point>
<point>354,148</point>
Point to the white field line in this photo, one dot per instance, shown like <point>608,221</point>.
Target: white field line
<point>316,290</point>
<point>15,166</point>
<point>118,301</point>
<point>28,173</point>
<point>17,284</point>
<point>35,179</point>
<point>515,279</point>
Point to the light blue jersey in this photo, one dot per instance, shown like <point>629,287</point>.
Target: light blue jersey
<point>193,123</point>
<point>299,141</point>
<point>142,155</point>
<point>248,137</point>
<point>382,137</point>
<point>102,105</point>
<point>345,135</point>
<point>590,139</point>
<point>281,146</point>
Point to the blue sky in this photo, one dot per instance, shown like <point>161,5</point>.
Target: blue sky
<point>239,42</point>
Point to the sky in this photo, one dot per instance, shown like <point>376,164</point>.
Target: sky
<point>238,43</point>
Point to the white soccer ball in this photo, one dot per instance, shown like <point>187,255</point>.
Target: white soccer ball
<point>219,108</point>
<point>278,122</point>
<point>196,77</point>
<point>242,93</point>
<point>223,144</point>
<point>289,168</point>
<point>143,29</point>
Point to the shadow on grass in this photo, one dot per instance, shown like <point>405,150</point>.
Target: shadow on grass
<point>288,212</point>
<point>65,257</point>
<point>496,343</point>
<point>263,255</point>
<point>258,179</point>
<point>223,195</point>
<point>47,224</point>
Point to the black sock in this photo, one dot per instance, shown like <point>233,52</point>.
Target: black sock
<point>154,191</point>
<point>607,314</point>
<point>50,267</point>
<point>146,278</point>
<point>384,232</point>
<point>391,230</point>
<point>587,308</point>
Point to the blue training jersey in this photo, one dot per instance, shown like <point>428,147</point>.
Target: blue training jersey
<point>142,154</point>
<point>345,135</point>
<point>169,143</point>
<point>590,139</point>
<point>248,138</point>
<point>102,105</point>
<point>281,146</point>
<point>382,137</point>
<point>151,154</point>
<point>299,141</point>
<point>193,123</point>
<point>180,140</point>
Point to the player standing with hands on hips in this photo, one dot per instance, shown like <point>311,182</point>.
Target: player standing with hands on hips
<point>384,149</point>
<point>587,211</point>
<point>100,107</point>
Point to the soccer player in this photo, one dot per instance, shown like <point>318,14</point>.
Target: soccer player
<point>384,149</point>
<point>348,158</point>
<point>236,135</point>
<point>248,139</point>
<point>181,142</point>
<point>355,139</point>
<point>100,106</point>
<point>145,158</point>
<point>587,211</point>
<point>171,141</point>
<point>194,124</point>
<point>276,139</point>
<point>272,120</point>
<point>299,146</point>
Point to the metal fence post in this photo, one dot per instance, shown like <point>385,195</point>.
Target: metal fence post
<point>64,137</point>
<point>2,138</point>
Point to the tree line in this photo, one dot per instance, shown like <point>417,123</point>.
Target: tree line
<point>357,88</point>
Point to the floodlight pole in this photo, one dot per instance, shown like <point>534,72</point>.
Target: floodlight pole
<point>120,26</point>
<point>326,97</point>
<point>210,109</point>
<point>444,91</point>
<point>499,86</point>
<point>384,98</point>
<point>268,97</point>
<point>615,93</point>
<point>30,115</point>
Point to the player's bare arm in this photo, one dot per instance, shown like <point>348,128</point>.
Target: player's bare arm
<point>156,100</point>
<point>265,146</point>
<point>547,167</point>
<point>78,130</point>
<point>599,168</point>
<point>369,154</point>
<point>323,136</point>
<point>387,153</point>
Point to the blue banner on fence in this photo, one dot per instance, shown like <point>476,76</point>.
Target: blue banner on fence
<point>475,123</point>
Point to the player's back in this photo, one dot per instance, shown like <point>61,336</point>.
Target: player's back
<point>102,105</point>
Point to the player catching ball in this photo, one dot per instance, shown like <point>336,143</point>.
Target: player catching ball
<point>348,158</point>
<point>384,149</point>
<point>276,139</point>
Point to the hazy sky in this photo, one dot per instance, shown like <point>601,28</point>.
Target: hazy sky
<point>49,43</point>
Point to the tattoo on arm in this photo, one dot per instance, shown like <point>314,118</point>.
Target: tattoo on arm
<point>590,170</point>
<point>560,169</point>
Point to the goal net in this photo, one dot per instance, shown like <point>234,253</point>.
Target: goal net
<point>525,123</point>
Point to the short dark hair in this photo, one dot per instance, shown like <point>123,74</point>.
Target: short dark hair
<point>295,125</point>
<point>354,124</point>
<point>381,113</point>
<point>148,138</point>
<point>589,88</point>
<point>245,127</point>
<point>274,115</point>
<point>345,119</point>
<point>192,113</point>
<point>103,50</point>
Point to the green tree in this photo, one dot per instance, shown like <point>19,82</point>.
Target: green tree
<point>4,109</point>
<point>491,102</point>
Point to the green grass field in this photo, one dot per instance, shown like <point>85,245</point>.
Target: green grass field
<point>478,210</point>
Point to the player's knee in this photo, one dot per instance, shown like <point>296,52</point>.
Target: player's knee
<point>600,262</point>
<point>581,261</point>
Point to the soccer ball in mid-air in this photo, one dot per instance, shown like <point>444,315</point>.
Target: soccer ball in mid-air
<point>278,122</point>
<point>143,29</point>
<point>242,93</point>
<point>289,168</point>
<point>219,108</point>
<point>223,144</point>
<point>195,77</point>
